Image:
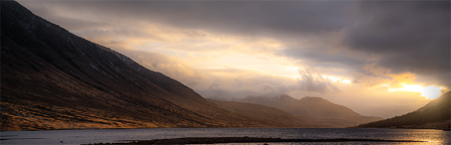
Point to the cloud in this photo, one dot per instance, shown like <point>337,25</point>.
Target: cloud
<point>170,66</point>
<point>401,37</point>
<point>230,82</point>
<point>407,36</point>
<point>225,82</point>
<point>411,36</point>
<point>237,83</point>
<point>245,18</point>
<point>239,48</point>
<point>315,83</point>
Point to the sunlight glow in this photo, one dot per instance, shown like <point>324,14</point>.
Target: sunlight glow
<point>346,81</point>
<point>430,92</point>
<point>335,79</point>
<point>294,74</point>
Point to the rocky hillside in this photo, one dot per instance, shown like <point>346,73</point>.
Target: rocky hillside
<point>314,110</point>
<point>436,114</point>
<point>52,79</point>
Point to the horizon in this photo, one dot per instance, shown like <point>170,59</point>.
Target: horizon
<point>378,63</point>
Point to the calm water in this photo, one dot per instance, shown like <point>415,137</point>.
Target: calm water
<point>119,135</point>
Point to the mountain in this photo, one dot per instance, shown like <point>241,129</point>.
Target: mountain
<point>260,111</point>
<point>314,110</point>
<point>52,79</point>
<point>436,114</point>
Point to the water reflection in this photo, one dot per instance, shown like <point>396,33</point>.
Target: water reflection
<point>120,135</point>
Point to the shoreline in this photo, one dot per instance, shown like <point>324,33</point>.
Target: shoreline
<point>245,139</point>
<point>219,127</point>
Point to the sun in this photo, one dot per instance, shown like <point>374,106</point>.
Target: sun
<point>430,92</point>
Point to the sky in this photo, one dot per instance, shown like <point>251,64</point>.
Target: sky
<point>379,58</point>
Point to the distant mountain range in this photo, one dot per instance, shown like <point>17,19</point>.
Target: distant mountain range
<point>313,111</point>
<point>261,111</point>
<point>52,79</point>
<point>435,114</point>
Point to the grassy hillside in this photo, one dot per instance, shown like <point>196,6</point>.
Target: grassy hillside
<point>435,114</point>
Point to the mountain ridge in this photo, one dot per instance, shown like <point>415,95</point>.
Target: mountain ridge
<point>260,111</point>
<point>434,115</point>
<point>315,110</point>
<point>53,79</point>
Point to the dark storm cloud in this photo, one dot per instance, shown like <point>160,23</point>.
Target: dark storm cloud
<point>72,24</point>
<point>325,59</point>
<point>244,17</point>
<point>404,36</point>
<point>409,36</point>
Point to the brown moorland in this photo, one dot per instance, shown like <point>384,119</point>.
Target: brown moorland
<point>434,115</point>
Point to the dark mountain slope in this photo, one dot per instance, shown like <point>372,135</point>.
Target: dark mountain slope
<point>435,114</point>
<point>51,78</point>
<point>314,110</point>
<point>259,111</point>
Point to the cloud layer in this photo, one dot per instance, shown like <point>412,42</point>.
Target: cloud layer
<point>239,48</point>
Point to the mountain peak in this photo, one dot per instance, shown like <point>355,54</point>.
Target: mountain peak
<point>285,97</point>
